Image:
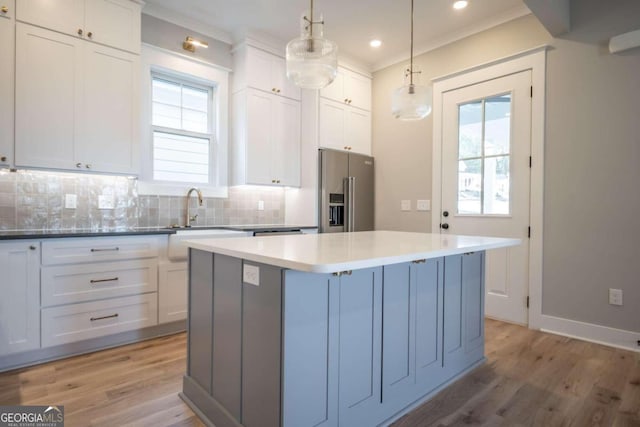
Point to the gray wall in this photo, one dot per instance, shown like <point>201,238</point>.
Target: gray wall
<point>170,36</point>
<point>592,161</point>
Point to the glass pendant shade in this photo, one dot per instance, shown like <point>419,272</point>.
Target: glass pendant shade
<point>411,102</point>
<point>312,61</point>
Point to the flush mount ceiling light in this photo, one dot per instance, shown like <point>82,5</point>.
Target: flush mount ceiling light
<point>460,4</point>
<point>411,101</point>
<point>312,60</point>
<point>375,43</point>
<point>190,44</point>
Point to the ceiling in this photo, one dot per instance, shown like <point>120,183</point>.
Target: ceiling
<point>351,23</point>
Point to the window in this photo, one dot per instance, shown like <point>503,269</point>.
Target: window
<point>182,128</point>
<point>484,142</point>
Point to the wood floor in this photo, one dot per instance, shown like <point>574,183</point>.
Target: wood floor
<point>530,379</point>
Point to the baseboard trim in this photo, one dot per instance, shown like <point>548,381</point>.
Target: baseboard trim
<point>62,351</point>
<point>612,337</point>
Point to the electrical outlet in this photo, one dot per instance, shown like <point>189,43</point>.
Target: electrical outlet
<point>70,201</point>
<point>423,205</point>
<point>260,205</point>
<point>105,202</point>
<point>251,274</point>
<point>615,296</point>
<point>405,205</point>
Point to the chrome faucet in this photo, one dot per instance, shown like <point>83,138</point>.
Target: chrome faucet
<point>189,217</point>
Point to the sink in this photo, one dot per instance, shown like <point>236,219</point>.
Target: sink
<point>179,252</point>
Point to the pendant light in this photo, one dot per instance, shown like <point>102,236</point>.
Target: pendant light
<point>312,61</point>
<point>411,101</point>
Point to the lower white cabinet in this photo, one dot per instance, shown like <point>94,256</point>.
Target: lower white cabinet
<point>75,322</point>
<point>173,291</point>
<point>20,301</point>
<point>342,127</point>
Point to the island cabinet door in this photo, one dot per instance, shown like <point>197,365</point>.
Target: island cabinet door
<point>412,331</point>
<point>463,311</point>
<point>310,349</point>
<point>360,348</point>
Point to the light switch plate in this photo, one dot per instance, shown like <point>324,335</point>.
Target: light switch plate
<point>260,205</point>
<point>615,296</point>
<point>70,201</point>
<point>105,202</point>
<point>251,274</point>
<point>423,205</point>
<point>405,205</point>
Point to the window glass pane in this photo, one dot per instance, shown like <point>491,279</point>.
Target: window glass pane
<point>180,158</point>
<point>496,185</point>
<point>469,186</point>
<point>497,131</point>
<point>195,99</point>
<point>470,130</point>
<point>166,92</point>
<point>166,115</point>
<point>195,121</point>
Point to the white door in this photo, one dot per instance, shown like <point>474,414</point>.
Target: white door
<point>286,142</point>
<point>260,126</point>
<point>486,145</point>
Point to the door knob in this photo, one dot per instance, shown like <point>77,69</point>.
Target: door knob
<point>444,226</point>
<point>4,9</point>
<point>445,214</point>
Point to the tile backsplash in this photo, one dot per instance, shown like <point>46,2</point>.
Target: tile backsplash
<point>34,200</point>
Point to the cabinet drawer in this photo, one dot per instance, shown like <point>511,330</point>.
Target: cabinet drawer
<point>77,322</point>
<point>92,249</point>
<point>87,282</point>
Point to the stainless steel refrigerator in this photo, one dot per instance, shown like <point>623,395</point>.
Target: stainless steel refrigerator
<point>346,192</point>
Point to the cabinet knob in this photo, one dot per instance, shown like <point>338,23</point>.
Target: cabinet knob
<point>78,165</point>
<point>80,32</point>
<point>33,248</point>
<point>3,159</point>
<point>4,9</point>
<point>346,100</point>
<point>350,101</point>
<point>89,34</point>
<point>88,166</point>
<point>273,89</point>
<point>273,181</point>
<point>277,181</point>
<point>444,226</point>
<point>278,91</point>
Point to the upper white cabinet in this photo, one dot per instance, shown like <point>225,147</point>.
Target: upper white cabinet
<point>7,46</point>
<point>83,98</point>
<point>20,302</point>
<point>258,69</point>
<point>266,137</point>
<point>113,23</point>
<point>344,128</point>
<point>349,88</point>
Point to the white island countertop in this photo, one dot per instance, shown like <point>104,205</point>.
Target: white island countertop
<point>334,252</point>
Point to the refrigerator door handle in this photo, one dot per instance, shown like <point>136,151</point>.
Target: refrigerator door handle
<point>350,183</point>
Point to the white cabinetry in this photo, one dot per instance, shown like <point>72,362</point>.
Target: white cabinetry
<point>344,111</point>
<point>262,70</point>
<point>173,291</point>
<point>93,287</point>
<point>82,96</point>
<point>20,302</point>
<point>113,23</point>
<point>7,46</point>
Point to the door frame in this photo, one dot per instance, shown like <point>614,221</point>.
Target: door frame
<point>534,60</point>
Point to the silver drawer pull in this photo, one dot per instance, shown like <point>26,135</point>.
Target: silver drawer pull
<point>105,250</point>
<point>93,319</point>
<point>103,280</point>
<point>342,273</point>
<point>419,261</point>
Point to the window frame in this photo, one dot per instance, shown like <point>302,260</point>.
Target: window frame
<point>192,72</point>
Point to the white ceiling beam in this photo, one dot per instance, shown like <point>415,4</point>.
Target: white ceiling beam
<point>555,15</point>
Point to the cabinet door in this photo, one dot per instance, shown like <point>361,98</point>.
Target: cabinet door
<point>357,88</point>
<point>7,46</point>
<point>114,23</point>
<point>64,16</point>
<point>260,125</point>
<point>360,347</point>
<point>310,352</point>
<point>332,124</point>
<point>173,291</point>
<point>286,142</point>
<point>280,80</point>
<point>110,134</point>
<point>259,70</point>
<point>20,302</point>
<point>358,130</point>
<point>335,90</point>
<point>48,97</point>
<point>463,311</point>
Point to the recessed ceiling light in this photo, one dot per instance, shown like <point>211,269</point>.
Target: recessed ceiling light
<point>375,43</point>
<point>460,4</point>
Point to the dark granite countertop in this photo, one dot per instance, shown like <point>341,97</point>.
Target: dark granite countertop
<point>45,234</point>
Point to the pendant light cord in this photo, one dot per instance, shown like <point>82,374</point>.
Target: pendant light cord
<point>411,60</point>
<point>311,20</point>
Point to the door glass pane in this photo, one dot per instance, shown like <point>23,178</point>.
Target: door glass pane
<point>470,186</point>
<point>497,134</point>
<point>496,185</point>
<point>470,135</point>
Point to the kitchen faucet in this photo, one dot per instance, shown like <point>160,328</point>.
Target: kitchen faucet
<point>189,217</point>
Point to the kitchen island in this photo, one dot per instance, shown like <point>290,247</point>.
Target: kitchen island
<point>344,329</point>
